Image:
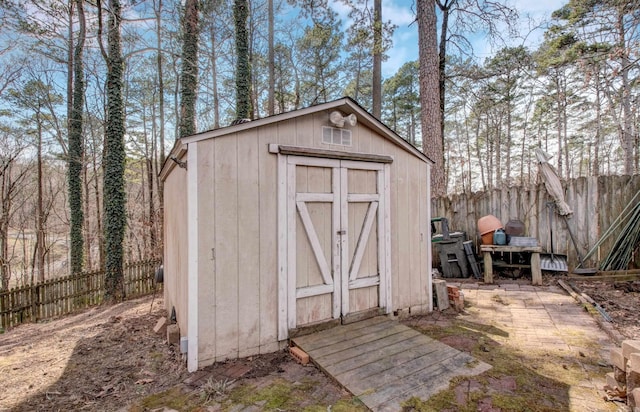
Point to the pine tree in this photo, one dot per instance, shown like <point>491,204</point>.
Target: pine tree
<point>433,145</point>
<point>76,149</point>
<point>189,78</point>
<point>243,69</point>
<point>114,160</point>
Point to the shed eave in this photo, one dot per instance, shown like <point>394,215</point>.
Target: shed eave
<point>344,104</point>
<point>179,149</point>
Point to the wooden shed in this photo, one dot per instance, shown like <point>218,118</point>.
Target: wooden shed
<point>312,216</point>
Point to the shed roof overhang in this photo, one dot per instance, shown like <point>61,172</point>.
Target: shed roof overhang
<point>345,104</point>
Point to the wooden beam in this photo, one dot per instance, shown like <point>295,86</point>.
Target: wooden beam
<point>330,154</point>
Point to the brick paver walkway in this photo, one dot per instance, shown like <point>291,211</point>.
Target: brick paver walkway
<point>544,319</point>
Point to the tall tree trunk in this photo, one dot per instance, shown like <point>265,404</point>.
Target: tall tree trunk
<point>5,206</point>
<point>625,67</point>
<point>445,8</point>
<point>508,134</point>
<point>86,225</point>
<point>272,63</point>
<point>377,59</point>
<point>114,161</point>
<point>559,121</point>
<point>40,251</point>
<point>76,149</point>
<point>100,233</point>
<point>189,77</point>
<point>431,118</point>
<point>243,70</point>
<point>161,128</point>
<point>479,155</point>
<point>160,71</point>
<point>595,167</point>
<point>214,77</point>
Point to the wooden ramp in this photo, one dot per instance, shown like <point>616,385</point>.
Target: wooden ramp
<point>384,363</point>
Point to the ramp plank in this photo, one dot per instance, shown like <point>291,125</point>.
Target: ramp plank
<point>385,363</point>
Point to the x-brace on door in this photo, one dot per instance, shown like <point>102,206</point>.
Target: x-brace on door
<point>337,239</point>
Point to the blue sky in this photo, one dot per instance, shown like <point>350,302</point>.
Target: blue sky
<point>405,39</point>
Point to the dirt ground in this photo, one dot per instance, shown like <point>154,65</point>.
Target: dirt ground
<point>109,359</point>
<point>620,300</point>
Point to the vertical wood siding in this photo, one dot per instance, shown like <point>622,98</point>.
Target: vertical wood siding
<point>238,217</point>
<point>175,245</point>
<point>596,203</point>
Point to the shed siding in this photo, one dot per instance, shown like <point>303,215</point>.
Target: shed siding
<point>176,246</point>
<point>248,244</point>
<point>268,246</point>
<point>238,221</point>
<point>206,253</point>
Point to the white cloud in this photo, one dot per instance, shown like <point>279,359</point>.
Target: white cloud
<point>400,14</point>
<point>537,7</point>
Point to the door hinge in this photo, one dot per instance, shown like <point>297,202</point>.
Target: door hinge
<point>342,232</point>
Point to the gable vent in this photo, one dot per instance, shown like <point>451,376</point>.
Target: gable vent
<point>335,136</point>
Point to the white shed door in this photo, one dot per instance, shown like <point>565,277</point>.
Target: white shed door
<point>336,239</point>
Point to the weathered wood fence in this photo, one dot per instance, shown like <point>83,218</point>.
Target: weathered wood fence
<point>596,203</point>
<point>62,296</point>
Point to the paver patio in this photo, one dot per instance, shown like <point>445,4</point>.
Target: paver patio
<point>543,318</point>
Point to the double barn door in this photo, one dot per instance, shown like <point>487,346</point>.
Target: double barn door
<point>337,239</point>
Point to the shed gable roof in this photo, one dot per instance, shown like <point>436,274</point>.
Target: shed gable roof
<point>345,104</point>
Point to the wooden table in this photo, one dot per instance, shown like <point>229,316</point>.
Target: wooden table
<point>536,272</point>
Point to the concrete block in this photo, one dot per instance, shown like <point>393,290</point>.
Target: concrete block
<point>620,375</point>
<point>629,347</point>
<point>440,287</point>
<point>612,382</point>
<point>161,324</point>
<point>617,359</point>
<point>173,334</point>
<point>299,355</point>
<point>633,380</point>
<point>633,398</point>
<point>634,362</point>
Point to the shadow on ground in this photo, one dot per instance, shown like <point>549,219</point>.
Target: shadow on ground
<point>536,380</point>
<point>121,365</point>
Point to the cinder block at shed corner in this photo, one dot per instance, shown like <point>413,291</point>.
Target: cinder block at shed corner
<point>617,359</point>
<point>612,382</point>
<point>632,380</point>
<point>620,375</point>
<point>633,398</point>
<point>173,334</point>
<point>440,287</point>
<point>634,362</point>
<point>629,347</point>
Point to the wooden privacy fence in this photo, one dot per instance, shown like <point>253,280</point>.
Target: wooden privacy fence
<point>62,296</point>
<point>596,202</point>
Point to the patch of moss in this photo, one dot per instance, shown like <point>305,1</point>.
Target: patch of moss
<point>343,405</point>
<point>349,405</point>
<point>284,395</point>
<point>514,403</point>
<point>174,398</point>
